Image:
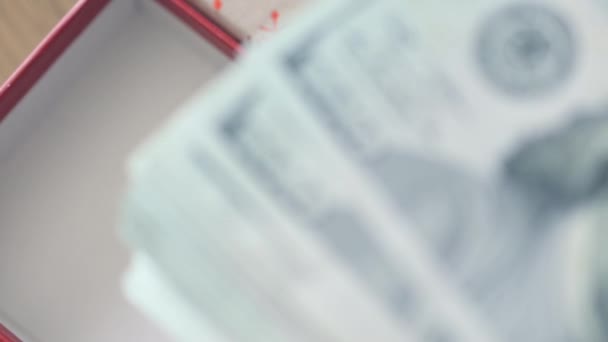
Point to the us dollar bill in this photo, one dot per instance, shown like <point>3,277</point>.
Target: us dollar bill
<point>343,214</point>
<point>400,136</point>
<point>280,262</point>
<point>147,287</point>
<point>436,101</point>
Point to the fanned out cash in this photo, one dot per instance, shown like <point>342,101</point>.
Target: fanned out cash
<point>391,170</point>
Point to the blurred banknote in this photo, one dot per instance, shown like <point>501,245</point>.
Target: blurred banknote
<point>391,170</point>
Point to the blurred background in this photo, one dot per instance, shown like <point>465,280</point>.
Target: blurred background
<point>23,23</point>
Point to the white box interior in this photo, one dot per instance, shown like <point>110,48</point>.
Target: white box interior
<point>62,176</point>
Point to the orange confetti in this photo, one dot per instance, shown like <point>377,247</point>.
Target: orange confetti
<point>217,4</point>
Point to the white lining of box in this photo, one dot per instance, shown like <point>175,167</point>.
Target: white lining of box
<point>62,152</point>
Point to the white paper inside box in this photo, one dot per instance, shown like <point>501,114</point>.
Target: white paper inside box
<point>62,157</point>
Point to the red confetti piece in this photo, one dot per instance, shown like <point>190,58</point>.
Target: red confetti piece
<point>274,15</point>
<point>217,4</point>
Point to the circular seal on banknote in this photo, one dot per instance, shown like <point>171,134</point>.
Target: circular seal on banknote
<point>526,49</point>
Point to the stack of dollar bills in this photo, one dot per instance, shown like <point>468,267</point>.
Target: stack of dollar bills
<point>388,170</point>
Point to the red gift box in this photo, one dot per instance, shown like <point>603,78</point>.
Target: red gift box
<point>6,335</point>
<point>103,79</point>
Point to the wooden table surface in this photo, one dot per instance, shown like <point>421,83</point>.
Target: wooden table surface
<point>23,24</point>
